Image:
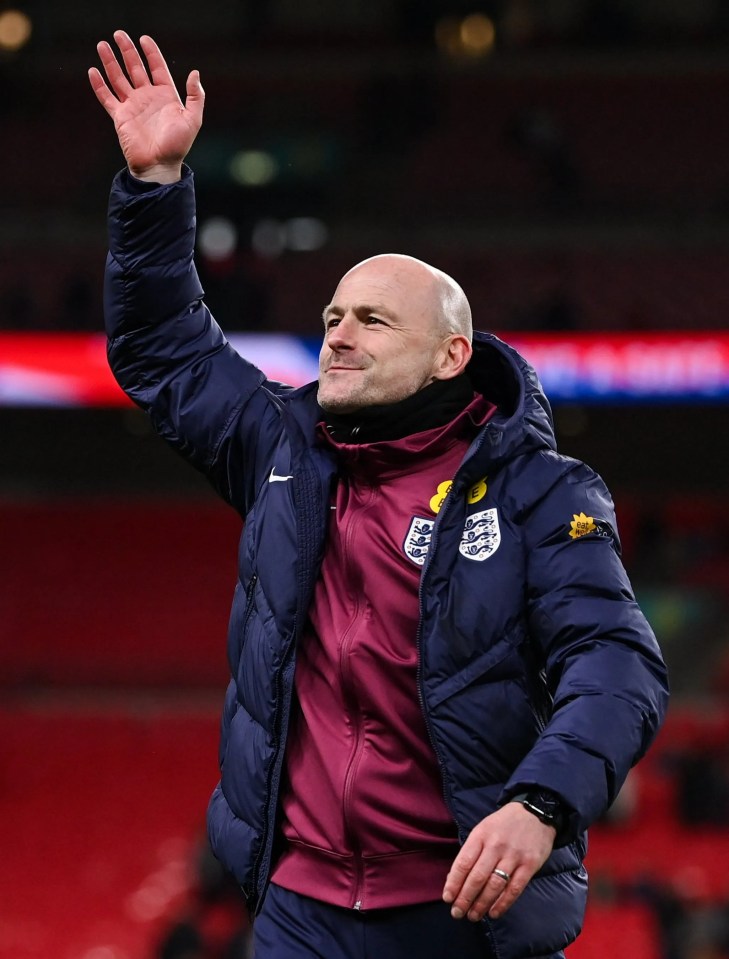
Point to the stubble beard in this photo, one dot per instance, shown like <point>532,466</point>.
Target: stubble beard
<point>343,402</point>
<point>363,396</point>
<point>348,403</point>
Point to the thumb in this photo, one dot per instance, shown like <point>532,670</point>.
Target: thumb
<point>195,99</point>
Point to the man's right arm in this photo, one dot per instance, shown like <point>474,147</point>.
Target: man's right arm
<point>165,349</point>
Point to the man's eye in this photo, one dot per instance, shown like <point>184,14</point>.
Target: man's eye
<point>371,320</point>
<point>332,323</point>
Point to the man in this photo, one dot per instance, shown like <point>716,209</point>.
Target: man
<point>440,676</point>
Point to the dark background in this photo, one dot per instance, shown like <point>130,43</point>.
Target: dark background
<point>566,161</point>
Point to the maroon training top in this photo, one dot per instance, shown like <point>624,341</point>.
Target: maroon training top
<point>364,818</point>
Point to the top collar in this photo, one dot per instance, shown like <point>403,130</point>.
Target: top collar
<point>396,455</point>
<point>434,405</point>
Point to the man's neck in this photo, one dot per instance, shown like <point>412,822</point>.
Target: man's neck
<point>434,405</point>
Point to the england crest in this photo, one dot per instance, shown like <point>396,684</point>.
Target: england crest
<point>481,535</point>
<point>417,540</point>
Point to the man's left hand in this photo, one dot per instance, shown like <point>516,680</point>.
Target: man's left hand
<point>513,841</point>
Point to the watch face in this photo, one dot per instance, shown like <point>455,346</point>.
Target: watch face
<point>545,806</point>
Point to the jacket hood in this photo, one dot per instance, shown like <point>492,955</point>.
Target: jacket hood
<point>523,420</point>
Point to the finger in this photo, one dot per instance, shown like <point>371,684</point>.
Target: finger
<point>132,61</point>
<point>479,892</point>
<point>511,892</point>
<point>496,891</point>
<point>116,76</point>
<point>195,99</point>
<point>461,868</point>
<point>471,876</point>
<point>103,94</point>
<point>158,69</point>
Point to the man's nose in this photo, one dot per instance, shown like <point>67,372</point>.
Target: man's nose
<point>343,334</point>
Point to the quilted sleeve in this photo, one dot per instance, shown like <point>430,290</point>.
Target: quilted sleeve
<point>166,350</point>
<point>602,664</point>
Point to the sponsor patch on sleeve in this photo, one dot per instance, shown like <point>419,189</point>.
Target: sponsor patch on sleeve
<point>582,525</point>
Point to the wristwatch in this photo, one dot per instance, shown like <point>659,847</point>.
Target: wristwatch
<point>545,805</point>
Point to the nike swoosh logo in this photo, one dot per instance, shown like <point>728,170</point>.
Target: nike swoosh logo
<point>273,478</point>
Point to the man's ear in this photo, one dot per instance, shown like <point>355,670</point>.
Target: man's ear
<point>452,357</point>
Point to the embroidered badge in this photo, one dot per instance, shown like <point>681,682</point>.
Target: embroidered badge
<point>581,525</point>
<point>481,535</point>
<point>417,539</point>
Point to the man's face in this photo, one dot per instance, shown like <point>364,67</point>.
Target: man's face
<point>381,336</point>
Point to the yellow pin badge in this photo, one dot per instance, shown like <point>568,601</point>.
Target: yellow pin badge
<point>442,490</point>
<point>477,491</point>
<point>474,494</point>
<point>581,525</point>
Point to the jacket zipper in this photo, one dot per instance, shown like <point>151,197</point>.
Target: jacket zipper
<point>356,755</point>
<point>247,613</point>
<point>445,779</point>
<point>250,605</point>
<point>347,792</point>
<point>450,499</point>
<point>274,775</point>
<point>283,694</point>
<point>421,697</point>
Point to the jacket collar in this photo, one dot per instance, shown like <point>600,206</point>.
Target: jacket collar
<point>524,417</point>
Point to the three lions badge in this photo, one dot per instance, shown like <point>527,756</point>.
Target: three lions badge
<point>481,535</point>
<point>480,539</point>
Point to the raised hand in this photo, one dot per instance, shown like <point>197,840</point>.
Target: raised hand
<point>155,129</point>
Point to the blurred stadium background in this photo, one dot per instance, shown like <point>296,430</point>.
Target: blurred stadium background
<point>566,161</point>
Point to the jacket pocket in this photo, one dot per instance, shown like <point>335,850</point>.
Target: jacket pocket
<point>240,627</point>
<point>250,603</point>
<point>470,674</point>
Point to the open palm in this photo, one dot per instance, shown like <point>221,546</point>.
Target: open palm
<point>155,129</point>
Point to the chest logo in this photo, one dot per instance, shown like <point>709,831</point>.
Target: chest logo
<point>417,539</point>
<point>440,494</point>
<point>477,491</point>
<point>275,477</point>
<point>473,493</point>
<point>481,535</point>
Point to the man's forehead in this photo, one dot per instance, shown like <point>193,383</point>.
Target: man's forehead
<point>374,287</point>
<point>339,305</point>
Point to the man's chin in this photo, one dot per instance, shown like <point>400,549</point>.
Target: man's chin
<point>337,404</point>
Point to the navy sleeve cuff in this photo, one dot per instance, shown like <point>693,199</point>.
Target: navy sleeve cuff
<point>136,187</point>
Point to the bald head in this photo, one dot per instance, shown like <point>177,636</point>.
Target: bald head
<point>450,308</point>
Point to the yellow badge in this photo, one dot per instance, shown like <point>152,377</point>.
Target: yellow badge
<point>440,494</point>
<point>581,525</point>
<point>478,491</point>
<point>473,495</point>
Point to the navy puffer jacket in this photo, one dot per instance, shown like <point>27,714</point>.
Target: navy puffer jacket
<point>537,667</point>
